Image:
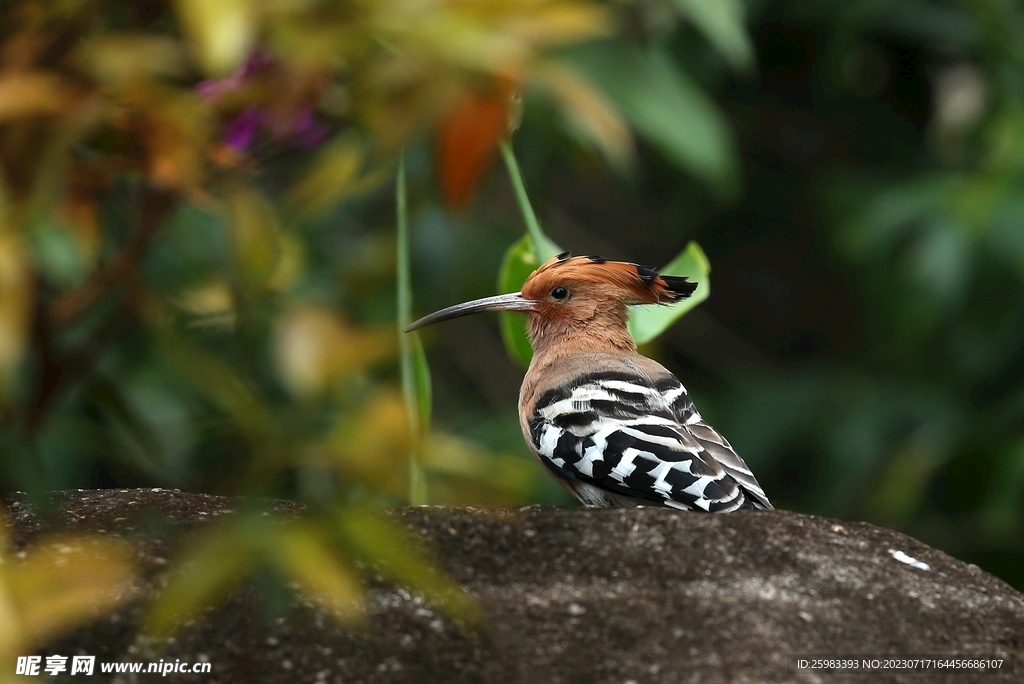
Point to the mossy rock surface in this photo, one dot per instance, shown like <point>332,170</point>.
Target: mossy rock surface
<point>573,596</point>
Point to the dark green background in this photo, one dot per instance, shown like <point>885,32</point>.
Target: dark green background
<point>863,345</point>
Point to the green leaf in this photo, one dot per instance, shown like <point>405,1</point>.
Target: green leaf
<point>58,252</point>
<point>138,442</point>
<point>647,322</point>
<point>893,211</point>
<point>513,334</point>
<point>519,262</point>
<point>999,512</point>
<point>667,108</point>
<point>416,390</point>
<point>219,382</point>
<point>421,381</point>
<point>723,23</point>
<point>414,368</point>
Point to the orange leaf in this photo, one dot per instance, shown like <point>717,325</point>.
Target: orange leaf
<point>467,144</point>
<point>29,94</point>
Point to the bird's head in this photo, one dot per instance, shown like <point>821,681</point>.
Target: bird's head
<point>577,297</point>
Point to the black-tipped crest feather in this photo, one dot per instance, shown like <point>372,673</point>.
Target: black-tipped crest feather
<point>648,275</point>
<point>680,286</point>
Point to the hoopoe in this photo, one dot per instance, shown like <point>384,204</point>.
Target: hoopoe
<point>613,427</point>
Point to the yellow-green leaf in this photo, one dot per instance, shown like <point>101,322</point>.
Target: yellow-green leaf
<point>385,544</point>
<point>303,553</point>
<point>371,445</point>
<point>454,457</point>
<point>255,234</point>
<point>120,58</point>
<point>216,561</point>
<point>61,583</point>
<point>519,262</point>
<point>315,349</point>
<point>222,33</point>
<point>648,322</point>
<point>334,175</point>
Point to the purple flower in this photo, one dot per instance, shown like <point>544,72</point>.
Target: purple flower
<point>297,124</point>
<point>306,131</point>
<point>239,134</point>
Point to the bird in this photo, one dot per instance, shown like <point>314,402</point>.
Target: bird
<point>613,427</point>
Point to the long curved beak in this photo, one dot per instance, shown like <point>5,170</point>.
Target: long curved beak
<point>513,301</point>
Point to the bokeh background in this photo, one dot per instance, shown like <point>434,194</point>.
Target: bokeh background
<point>198,241</point>
<point>863,344</point>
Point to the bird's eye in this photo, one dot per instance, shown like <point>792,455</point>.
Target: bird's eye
<point>559,293</point>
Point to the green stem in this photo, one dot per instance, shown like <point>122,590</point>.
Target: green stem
<point>544,246</point>
<point>404,270</point>
<point>417,481</point>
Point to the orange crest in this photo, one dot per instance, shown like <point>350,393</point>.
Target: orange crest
<point>596,277</point>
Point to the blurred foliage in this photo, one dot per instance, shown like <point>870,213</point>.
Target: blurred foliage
<point>197,286</point>
<point>56,584</point>
<point>316,554</point>
<point>199,289</point>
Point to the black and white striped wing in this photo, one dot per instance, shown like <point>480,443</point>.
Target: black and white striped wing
<point>619,439</point>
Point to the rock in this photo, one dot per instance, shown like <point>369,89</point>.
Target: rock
<point>579,596</point>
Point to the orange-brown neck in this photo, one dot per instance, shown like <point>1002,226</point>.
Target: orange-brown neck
<point>601,326</point>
